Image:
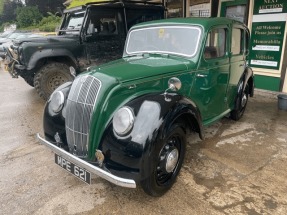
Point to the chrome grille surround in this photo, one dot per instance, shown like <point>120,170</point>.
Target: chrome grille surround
<point>79,108</point>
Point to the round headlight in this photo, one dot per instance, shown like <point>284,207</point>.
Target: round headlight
<point>56,101</point>
<point>123,121</point>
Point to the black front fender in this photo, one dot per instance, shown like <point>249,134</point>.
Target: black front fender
<point>130,156</point>
<point>49,53</point>
<point>55,122</point>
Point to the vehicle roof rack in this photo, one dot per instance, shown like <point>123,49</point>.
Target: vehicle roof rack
<point>145,2</point>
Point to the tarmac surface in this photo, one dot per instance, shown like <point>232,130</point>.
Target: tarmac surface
<point>240,168</point>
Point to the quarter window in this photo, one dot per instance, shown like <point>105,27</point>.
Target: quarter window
<point>216,43</point>
<point>237,41</point>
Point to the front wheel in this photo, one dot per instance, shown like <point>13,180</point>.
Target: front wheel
<point>166,163</point>
<point>51,76</point>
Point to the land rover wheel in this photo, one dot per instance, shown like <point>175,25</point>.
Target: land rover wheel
<point>51,76</point>
<point>166,163</point>
<point>240,104</point>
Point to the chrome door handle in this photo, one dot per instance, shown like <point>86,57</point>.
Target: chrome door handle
<point>201,75</point>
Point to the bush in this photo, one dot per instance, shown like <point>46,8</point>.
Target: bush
<point>48,27</point>
<point>49,23</point>
<point>28,16</point>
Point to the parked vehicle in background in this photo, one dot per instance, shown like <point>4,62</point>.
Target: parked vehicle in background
<point>89,35</point>
<point>5,34</point>
<point>5,43</point>
<point>126,121</point>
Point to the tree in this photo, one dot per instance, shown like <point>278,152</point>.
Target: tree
<point>28,16</point>
<point>46,6</point>
<point>9,10</point>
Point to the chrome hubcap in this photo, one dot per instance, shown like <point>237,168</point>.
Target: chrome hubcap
<point>243,100</point>
<point>171,160</point>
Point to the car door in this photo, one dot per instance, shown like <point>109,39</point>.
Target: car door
<point>212,77</point>
<point>238,50</point>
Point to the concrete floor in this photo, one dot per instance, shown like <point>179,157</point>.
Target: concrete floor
<point>239,169</point>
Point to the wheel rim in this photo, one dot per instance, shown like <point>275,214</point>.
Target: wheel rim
<point>243,100</point>
<point>168,160</point>
<point>55,80</point>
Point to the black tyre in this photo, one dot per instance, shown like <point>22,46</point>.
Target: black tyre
<point>166,163</point>
<point>51,76</point>
<point>240,105</point>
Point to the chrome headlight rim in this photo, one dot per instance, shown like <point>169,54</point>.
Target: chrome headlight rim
<point>125,127</point>
<point>56,101</point>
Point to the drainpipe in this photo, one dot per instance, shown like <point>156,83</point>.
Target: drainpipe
<point>214,8</point>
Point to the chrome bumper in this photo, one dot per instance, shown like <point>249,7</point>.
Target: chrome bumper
<point>94,169</point>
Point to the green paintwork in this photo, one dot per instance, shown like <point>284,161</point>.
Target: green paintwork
<point>267,83</point>
<point>205,82</point>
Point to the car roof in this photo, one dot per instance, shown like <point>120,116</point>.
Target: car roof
<point>204,22</point>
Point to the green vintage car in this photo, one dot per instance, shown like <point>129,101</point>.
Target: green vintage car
<point>126,121</point>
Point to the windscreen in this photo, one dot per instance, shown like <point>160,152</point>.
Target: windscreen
<point>73,22</point>
<point>178,40</point>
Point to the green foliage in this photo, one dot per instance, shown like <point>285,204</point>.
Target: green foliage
<point>8,10</point>
<point>45,6</point>
<point>27,16</point>
<point>1,6</point>
<point>51,19</point>
<point>49,23</point>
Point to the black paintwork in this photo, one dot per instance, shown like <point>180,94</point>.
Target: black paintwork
<point>126,157</point>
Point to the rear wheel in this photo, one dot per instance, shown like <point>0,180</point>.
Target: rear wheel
<point>167,162</point>
<point>51,76</point>
<point>241,104</point>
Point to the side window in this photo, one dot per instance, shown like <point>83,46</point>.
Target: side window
<point>104,22</point>
<point>237,41</point>
<point>215,46</point>
<point>137,16</point>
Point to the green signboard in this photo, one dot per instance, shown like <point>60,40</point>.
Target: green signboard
<point>266,44</point>
<point>269,6</point>
<point>267,35</point>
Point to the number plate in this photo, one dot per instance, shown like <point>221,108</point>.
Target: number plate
<point>77,171</point>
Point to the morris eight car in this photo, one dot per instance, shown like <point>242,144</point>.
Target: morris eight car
<point>126,121</point>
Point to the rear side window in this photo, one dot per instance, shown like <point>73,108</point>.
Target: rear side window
<point>237,41</point>
<point>215,46</point>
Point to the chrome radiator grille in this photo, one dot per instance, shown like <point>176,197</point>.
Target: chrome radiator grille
<point>79,108</point>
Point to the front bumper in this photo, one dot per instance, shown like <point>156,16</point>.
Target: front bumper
<point>123,182</point>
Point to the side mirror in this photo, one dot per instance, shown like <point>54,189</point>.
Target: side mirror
<point>174,84</point>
